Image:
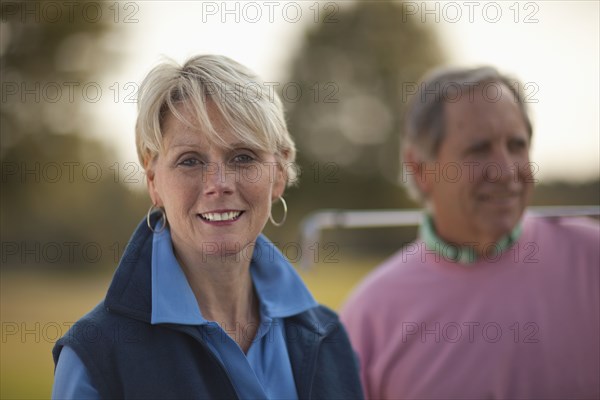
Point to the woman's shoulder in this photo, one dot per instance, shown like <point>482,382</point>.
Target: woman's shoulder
<point>320,321</point>
<point>100,329</point>
<point>324,314</point>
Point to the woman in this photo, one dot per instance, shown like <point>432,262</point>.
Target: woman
<point>202,305</point>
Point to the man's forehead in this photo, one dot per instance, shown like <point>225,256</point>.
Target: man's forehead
<point>479,106</point>
<point>473,96</point>
<point>482,118</point>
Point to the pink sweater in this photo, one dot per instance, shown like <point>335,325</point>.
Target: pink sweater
<point>523,325</point>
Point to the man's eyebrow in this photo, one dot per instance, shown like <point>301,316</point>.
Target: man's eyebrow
<point>518,137</point>
<point>478,142</point>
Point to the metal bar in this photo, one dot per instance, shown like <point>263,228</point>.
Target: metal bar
<point>314,223</point>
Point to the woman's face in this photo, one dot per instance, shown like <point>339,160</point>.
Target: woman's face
<point>217,200</point>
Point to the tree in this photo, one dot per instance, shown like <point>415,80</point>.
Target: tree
<point>49,202</point>
<point>353,71</point>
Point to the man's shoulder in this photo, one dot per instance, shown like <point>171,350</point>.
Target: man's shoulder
<point>567,229</point>
<point>408,260</point>
<point>389,278</point>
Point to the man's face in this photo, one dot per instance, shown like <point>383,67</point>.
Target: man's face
<point>483,178</point>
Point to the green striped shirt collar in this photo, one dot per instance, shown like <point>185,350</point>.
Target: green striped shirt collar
<point>463,254</point>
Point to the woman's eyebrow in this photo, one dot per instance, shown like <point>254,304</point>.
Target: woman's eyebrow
<point>238,145</point>
<point>185,144</point>
<point>200,148</point>
<point>245,146</point>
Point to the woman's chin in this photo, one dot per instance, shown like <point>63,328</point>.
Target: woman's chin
<point>227,247</point>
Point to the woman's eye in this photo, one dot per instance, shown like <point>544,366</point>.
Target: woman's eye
<point>243,158</point>
<point>189,162</point>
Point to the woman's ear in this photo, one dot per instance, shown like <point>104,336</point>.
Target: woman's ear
<point>150,167</point>
<point>279,183</point>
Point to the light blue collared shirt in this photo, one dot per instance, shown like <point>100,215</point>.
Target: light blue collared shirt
<point>264,372</point>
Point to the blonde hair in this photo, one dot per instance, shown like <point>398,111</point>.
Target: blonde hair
<point>248,108</point>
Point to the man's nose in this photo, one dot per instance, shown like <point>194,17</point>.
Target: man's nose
<point>500,167</point>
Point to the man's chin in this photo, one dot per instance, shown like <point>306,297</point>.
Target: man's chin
<point>501,227</point>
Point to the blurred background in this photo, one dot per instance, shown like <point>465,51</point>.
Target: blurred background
<point>72,190</point>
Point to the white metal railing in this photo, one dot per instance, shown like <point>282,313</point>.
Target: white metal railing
<point>317,221</point>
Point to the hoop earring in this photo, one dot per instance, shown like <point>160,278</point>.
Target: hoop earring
<point>163,218</point>
<point>285,210</point>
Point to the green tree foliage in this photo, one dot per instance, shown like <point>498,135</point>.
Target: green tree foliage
<point>46,48</point>
<point>567,194</point>
<point>353,71</point>
<point>60,199</point>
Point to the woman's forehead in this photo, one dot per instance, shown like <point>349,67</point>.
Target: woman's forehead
<point>193,124</point>
<point>206,125</point>
<point>178,134</point>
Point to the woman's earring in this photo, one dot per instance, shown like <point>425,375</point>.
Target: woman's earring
<point>285,210</point>
<point>163,218</point>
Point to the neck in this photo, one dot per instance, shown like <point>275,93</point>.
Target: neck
<point>480,244</point>
<point>224,291</point>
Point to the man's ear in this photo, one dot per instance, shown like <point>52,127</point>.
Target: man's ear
<point>414,165</point>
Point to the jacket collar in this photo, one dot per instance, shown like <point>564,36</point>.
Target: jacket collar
<point>131,292</point>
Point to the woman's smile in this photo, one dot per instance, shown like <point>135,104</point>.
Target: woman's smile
<point>221,217</point>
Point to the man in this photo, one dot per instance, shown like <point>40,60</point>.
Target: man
<point>488,302</point>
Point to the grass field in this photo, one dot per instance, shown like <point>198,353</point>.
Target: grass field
<point>36,309</point>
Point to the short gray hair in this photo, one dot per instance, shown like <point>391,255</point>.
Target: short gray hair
<point>424,118</point>
<point>251,112</point>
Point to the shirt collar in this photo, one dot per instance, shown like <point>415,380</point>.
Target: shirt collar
<point>280,290</point>
<point>461,254</point>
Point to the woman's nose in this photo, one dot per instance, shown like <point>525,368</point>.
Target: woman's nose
<point>218,179</point>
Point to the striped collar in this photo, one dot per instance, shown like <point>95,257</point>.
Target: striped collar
<point>462,254</point>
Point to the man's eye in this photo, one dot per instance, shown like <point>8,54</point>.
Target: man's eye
<point>478,149</point>
<point>517,145</point>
